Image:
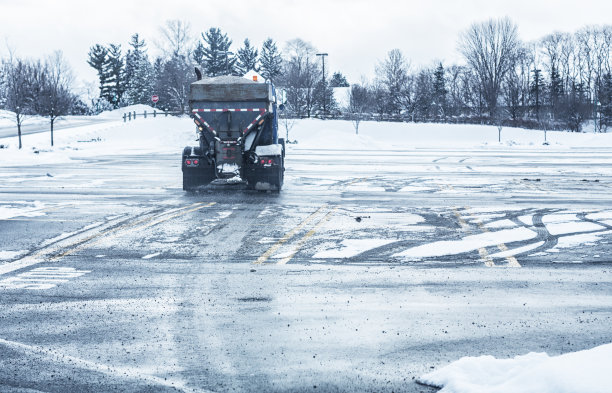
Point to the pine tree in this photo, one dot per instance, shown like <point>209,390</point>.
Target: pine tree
<point>138,85</point>
<point>555,91</point>
<point>115,86</point>
<point>217,57</point>
<point>98,61</point>
<point>605,101</point>
<point>198,55</point>
<point>246,58</point>
<point>537,85</point>
<point>270,61</point>
<point>439,91</point>
<point>338,80</point>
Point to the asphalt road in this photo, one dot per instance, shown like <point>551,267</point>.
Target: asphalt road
<point>359,276</point>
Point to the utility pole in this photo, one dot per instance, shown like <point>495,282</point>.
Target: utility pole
<point>324,86</point>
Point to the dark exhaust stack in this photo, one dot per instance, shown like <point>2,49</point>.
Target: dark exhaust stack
<point>198,73</point>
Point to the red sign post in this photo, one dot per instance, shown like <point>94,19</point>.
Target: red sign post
<point>155,98</point>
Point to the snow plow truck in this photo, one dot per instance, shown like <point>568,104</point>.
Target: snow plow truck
<point>237,127</point>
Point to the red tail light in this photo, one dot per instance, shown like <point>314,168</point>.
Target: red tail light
<point>188,162</point>
<point>270,161</point>
<point>195,162</point>
<point>263,162</point>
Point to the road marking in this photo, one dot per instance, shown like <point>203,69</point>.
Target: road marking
<point>42,278</point>
<point>512,261</point>
<point>40,256</point>
<point>118,372</point>
<point>484,255</point>
<point>264,257</point>
<point>307,236</point>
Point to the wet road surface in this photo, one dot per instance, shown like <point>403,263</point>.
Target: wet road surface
<point>366,271</point>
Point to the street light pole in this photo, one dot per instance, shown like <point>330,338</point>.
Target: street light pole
<point>324,86</point>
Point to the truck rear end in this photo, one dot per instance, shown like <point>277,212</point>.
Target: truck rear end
<point>237,128</point>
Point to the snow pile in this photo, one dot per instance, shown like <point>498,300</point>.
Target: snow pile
<point>138,108</point>
<point>340,134</point>
<point>161,135</point>
<point>577,372</point>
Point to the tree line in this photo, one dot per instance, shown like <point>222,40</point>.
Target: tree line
<point>557,82</point>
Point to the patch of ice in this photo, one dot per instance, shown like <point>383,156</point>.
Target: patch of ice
<point>9,255</point>
<point>580,239</point>
<point>585,371</point>
<point>516,251</point>
<point>21,209</point>
<point>605,215</point>
<point>468,243</point>
<point>500,224</point>
<point>352,247</point>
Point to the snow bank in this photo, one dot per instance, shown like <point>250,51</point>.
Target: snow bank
<point>170,134</point>
<point>577,372</point>
<point>118,113</point>
<point>161,135</point>
<point>340,134</point>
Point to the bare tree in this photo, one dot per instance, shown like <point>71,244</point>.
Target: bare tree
<point>300,76</point>
<point>55,98</point>
<point>176,39</point>
<point>393,74</point>
<point>359,102</point>
<point>489,49</point>
<point>19,82</point>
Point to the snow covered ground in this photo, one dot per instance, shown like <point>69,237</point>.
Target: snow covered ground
<point>585,371</point>
<point>171,134</point>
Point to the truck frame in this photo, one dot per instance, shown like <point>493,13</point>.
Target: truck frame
<point>237,125</point>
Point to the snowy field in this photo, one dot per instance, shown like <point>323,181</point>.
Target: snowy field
<point>584,371</point>
<point>169,135</point>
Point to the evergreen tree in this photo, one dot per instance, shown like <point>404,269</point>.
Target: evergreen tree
<point>138,73</point>
<point>537,85</point>
<point>555,91</point>
<point>338,80</point>
<point>576,107</point>
<point>218,60</point>
<point>439,91</point>
<point>98,59</point>
<point>115,86</point>
<point>246,58</point>
<point>270,61</point>
<point>198,55</point>
<point>605,102</point>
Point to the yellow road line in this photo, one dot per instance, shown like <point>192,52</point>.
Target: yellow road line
<point>264,257</point>
<point>146,223</point>
<point>307,236</point>
<point>484,255</point>
<point>512,261</point>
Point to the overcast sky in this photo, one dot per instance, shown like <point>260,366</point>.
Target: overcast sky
<point>355,33</point>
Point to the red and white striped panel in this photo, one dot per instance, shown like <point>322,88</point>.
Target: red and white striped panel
<point>230,110</point>
<point>263,112</point>
<point>205,123</point>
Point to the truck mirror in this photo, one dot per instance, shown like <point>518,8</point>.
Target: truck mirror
<point>281,107</point>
